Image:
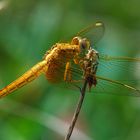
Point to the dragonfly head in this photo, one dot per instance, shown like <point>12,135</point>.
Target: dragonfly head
<point>83,43</point>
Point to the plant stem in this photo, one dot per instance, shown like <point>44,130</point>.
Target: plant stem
<point>77,111</point>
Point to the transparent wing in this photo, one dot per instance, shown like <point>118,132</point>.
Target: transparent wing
<point>113,66</point>
<point>93,32</point>
<point>119,75</point>
<point>115,76</point>
<point>114,87</point>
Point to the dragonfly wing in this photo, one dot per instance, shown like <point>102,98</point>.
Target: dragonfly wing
<point>113,87</point>
<point>106,86</point>
<point>120,76</point>
<point>93,32</point>
<point>121,58</point>
<point>121,73</point>
<point>111,65</point>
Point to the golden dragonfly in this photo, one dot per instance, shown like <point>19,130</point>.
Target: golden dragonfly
<point>64,62</point>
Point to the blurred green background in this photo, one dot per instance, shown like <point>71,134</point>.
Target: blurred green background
<point>38,111</point>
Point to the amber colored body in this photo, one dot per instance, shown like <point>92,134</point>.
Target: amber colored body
<point>60,55</point>
<point>53,66</point>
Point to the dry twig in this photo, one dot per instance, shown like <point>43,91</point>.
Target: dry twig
<point>77,111</point>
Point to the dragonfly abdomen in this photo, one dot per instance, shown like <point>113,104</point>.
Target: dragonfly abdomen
<point>27,77</point>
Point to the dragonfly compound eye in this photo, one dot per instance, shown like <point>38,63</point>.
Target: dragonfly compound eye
<point>84,44</point>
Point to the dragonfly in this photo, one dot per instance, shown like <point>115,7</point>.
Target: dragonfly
<point>75,61</point>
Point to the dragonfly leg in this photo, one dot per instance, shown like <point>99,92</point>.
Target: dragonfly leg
<point>76,60</point>
<point>67,73</point>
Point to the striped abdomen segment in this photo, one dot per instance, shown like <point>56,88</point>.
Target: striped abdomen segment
<point>27,77</point>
